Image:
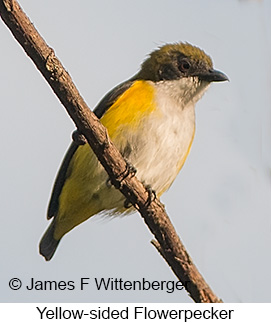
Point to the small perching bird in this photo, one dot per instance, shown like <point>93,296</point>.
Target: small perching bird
<point>151,120</point>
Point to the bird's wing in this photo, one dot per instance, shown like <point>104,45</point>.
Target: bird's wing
<point>111,97</point>
<point>63,173</point>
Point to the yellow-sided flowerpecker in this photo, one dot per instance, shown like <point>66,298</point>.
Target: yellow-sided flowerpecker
<point>151,120</point>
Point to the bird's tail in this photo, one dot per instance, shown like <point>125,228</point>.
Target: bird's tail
<point>48,243</point>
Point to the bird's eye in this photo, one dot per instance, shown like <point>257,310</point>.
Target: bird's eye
<point>184,66</point>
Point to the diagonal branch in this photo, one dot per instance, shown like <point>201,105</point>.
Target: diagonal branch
<point>168,242</point>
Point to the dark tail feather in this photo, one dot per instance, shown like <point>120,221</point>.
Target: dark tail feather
<point>48,243</point>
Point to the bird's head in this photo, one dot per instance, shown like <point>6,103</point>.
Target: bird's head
<point>180,60</point>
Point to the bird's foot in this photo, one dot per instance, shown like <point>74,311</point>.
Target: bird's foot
<point>151,197</point>
<point>78,138</point>
<point>129,170</point>
<point>151,194</point>
<point>127,204</point>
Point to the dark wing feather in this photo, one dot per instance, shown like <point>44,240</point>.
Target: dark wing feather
<point>62,175</point>
<point>60,180</point>
<point>111,97</point>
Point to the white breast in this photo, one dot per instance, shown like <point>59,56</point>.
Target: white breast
<point>166,134</point>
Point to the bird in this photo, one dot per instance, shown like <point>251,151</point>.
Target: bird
<point>151,120</point>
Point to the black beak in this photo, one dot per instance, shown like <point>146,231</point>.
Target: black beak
<point>213,76</point>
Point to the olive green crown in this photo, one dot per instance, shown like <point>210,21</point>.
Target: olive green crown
<point>165,54</point>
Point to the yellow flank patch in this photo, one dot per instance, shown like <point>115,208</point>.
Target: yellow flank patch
<point>130,108</point>
<point>84,192</point>
<point>182,161</point>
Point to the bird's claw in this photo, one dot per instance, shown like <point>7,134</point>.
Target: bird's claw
<point>127,204</point>
<point>151,194</point>
<point>131,170</point>
<point>78,138</point>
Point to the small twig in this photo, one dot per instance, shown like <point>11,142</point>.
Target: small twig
<point>88,124</point>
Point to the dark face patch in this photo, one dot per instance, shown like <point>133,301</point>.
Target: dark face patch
<point>168,72</point>
<point>181,66</point>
